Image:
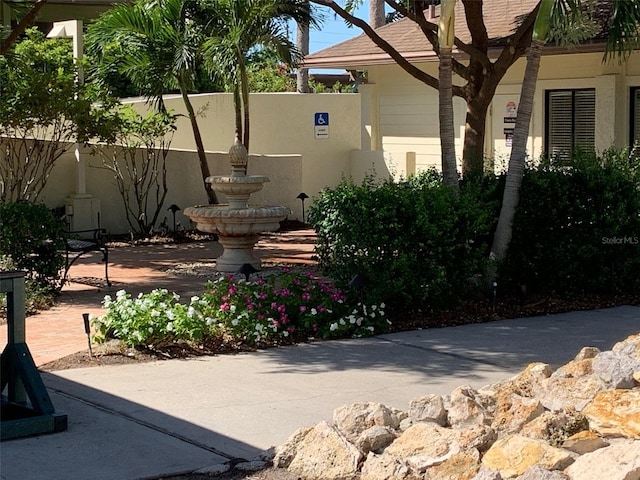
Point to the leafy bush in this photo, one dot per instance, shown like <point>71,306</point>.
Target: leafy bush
<point>577,227</point>
<point>418,244</point>
<point>282,306</point>
<point>32,239</point>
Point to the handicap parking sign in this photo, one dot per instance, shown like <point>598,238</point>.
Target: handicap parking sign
<point>321,124</point>
<point>321,119</point>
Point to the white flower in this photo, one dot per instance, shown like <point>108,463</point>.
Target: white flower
<point>370,329</point>
<point>194,299</point>
<point>120,293</point>
<point>382,305</point>
<point>170,314</point>
<point>314,311</point>
<point>372,314</point>
<point>155,313</point>
<point>342,322</point>
<point>191,312</point>
<point>176,297</point>
<point>235,322</point>
<point>150,329</point>
<point>333,327</point>
<point>170,327</point>
<point>285,333</point>
<point>359,321</point>
<point>232,308</point>
<point>352,319</point>
<point>209,320</point>
<point>140,295</point>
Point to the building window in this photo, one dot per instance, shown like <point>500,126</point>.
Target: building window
<point>635,117</point>
<point>571,121</point>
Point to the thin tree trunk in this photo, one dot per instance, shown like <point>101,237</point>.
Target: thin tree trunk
<point>237,104</point>
<point>202,156</point>
<point>376,13</point>
<point>473,150</point>
<point>447,130</point>
<point>302,43</point>
<point>511,196</point>
<point>244,85</point>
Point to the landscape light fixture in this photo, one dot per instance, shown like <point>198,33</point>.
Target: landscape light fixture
<point>246,269</point>
<point>173,208</point>
<point>302,196</point>
<point>87,330</point>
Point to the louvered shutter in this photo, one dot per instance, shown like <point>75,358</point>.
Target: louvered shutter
<point>636,116</point>
<point>571,121</point>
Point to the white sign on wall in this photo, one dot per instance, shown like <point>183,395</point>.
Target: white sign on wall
<point>321,124</point>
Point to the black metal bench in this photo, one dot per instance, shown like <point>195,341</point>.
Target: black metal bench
<point>80,242</point>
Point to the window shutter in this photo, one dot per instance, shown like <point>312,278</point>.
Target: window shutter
<point>560,142</point>
<point>571,121</point>
<point>636,116</point>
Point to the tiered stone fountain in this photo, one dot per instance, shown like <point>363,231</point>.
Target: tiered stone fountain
<point>237,223</point>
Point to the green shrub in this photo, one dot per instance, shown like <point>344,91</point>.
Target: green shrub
<point>419,245</point>
<point>577,227</point>
<point>33,239</point>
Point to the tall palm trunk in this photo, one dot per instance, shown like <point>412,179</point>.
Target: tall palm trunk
<point>446,32</point>
<point>197,137</point>
<point>376,13</point>
<point>244,92</point>
<point>511,195</point>
<point>515,172</point>
<point>302,44</point>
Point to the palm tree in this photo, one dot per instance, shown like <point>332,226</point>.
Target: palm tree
<point>234,29</point>
<point>159,44</point>
<point>446,36</point>
<point>564,21</point>
<point>302,44</point>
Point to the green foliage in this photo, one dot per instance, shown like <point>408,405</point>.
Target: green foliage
<point>32,239</point>
<point>39,98</point>
<point>419,245</point>
<point>577,227</point>
<point>283,306</point>
<point>270,78</point>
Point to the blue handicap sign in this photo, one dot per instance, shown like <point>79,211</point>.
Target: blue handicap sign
<point>321,119</point>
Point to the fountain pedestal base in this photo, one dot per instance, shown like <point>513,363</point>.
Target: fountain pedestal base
<point>237,251</point>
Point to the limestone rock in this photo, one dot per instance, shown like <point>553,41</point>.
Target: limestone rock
<point>428,439</point>
<point>538,473</point>
<point>521,384</point>
<point>375,438</point>
<point>466,408</point>
<point>575,369</point>
<point>511,415</point>
<point>384,467</point>
<point>630,346</point>
<point>584,442</point>
<point>480,437</point>
<point>514,454</point>
<point>460,466</point>
<point>616,462</point>
<point>351,420</point>
<point>555,427</point>
<point>406,423</point>
<point>587,352</point>
<point>286,451</point>
<point>615,413</point>
<point>487,474</point>
<point>429,408</point>
<point>324,454</point>
<point>566,393</point>
<point>616,368</point>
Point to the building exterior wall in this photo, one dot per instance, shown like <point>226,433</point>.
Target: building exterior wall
<point>407,110</point>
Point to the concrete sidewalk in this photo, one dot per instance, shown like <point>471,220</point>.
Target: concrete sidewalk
<point>147,420</point>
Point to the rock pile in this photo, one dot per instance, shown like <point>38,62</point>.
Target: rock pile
<point>581,422</point>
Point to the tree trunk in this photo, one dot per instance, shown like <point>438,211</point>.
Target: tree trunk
<point>202,156</point>
<point>511,195</point>
<point>302,44</point>
<point>376,13</point>
<point>473,150</point>
<point>244,92</point>
<point>447,130</point>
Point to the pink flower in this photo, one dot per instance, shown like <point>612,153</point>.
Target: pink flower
<point>306,297</point>
<point>232,289</point>
<point>282,308</point>
<point>303,308</point>
<point>276,323</point>
<point>224,307</point>
<point>249,306</point>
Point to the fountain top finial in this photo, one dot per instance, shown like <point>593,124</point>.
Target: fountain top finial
<point>238,157</point>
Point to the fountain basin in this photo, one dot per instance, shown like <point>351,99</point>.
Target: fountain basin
<point>238,188</point>
<point>224,220</point>
<point>237,229</point>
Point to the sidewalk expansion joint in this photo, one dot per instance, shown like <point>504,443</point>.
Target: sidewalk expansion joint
<point>148,425</point>
<point>483,361</point>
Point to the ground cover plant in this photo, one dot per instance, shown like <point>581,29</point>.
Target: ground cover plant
<point>285,307</point>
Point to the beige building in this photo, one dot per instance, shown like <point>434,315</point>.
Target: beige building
<point>307,142</point>
<point>579,99</point>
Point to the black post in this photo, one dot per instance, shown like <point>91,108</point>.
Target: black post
<point>302,196</point>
